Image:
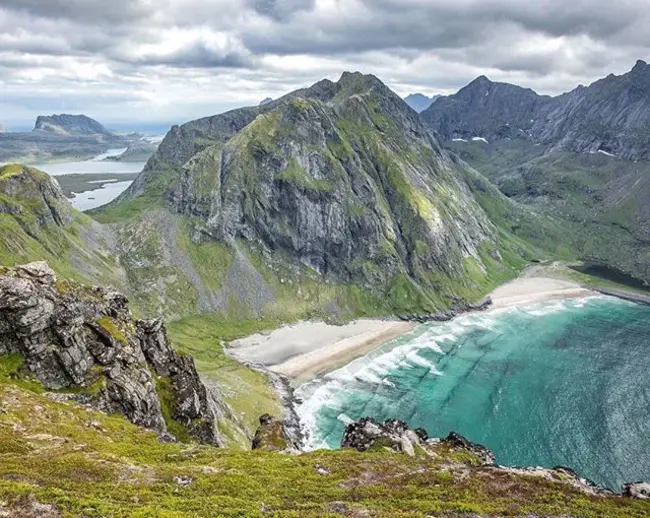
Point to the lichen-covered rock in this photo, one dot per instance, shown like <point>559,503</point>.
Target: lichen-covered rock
<point>84,338</point>
<point>483,454</point>
<point>637,490</point>
<point>367,433</point>
<point>273,435</point>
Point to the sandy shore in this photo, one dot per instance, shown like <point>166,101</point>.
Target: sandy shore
<point>530,290</point>
<point>304,350</point>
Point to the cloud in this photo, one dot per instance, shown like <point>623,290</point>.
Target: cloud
<point>173,60</point>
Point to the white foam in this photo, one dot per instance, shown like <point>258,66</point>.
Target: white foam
<point>345,419</point>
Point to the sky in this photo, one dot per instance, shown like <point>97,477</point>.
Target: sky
<point>146,62</point>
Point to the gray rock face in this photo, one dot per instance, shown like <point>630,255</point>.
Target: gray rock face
<point>65,124</point>
<point>396,435</point>
<point>74,336</point>
<point>611,115</point>
<point>639,490</point>
<point>341,177</point>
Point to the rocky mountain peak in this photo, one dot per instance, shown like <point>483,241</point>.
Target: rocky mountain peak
<point>640,66</point>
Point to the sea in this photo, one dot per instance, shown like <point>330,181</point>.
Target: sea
<point>109,190</point>
<point>559,383</point>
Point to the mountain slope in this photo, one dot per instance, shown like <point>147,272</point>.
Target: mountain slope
<point>38,223</point>
<point>340,182</point>
<point>419,102</point>
<point>610,115</point>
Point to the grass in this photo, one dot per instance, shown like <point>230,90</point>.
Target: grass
<point>49,455</point>
<point>247,392</point>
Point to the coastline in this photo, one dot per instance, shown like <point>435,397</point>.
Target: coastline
<point>306,350</point>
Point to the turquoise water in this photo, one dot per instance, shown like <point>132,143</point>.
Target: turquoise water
<point>559,383</point>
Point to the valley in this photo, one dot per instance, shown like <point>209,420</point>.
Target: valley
<point>332,237</point>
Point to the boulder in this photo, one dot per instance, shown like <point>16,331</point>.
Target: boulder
<point>368,433</point>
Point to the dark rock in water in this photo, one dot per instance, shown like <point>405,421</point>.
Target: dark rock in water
<point>482,453</point>
<point>394,434</point>
<point>637,490</point>
<point>84,338</point>
<point>273,435</point>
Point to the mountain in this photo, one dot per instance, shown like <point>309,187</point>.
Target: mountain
<point>581,157</point>
<point>485,109</point>
<point>610,115</point>
<point>267,100</point>
<point>76,125</point>
<point>419,102</point>
<point>339,184</point>
<point>69,137</point>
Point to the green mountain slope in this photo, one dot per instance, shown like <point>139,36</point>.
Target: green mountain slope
<point>603,201</point>
<point>38,223</point>
<point>335,198</point>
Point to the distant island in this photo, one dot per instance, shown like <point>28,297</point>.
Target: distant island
<point>66,137</point>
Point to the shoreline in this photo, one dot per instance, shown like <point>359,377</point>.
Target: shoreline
<point>303,351</point>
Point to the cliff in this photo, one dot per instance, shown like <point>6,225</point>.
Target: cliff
<point>81,340</point>
<point>340,183</point>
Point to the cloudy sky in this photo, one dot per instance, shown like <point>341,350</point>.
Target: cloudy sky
<point>168,61</point>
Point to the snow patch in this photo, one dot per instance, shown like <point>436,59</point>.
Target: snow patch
<point>479,139</point>
<point>458,140</point>
<point>603,152</point>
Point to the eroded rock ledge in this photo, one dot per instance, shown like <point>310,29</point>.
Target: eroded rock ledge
<point>80,339</point>
<point>367,434</point>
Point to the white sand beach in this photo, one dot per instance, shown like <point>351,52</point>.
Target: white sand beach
<point>304,350</point>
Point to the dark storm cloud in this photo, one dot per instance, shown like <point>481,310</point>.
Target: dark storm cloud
<point>198,54</point>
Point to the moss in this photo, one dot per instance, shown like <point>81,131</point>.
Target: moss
<point>118,469</point>
<point>300,177</point>
<point>112,327</point>
<point>165,393</point>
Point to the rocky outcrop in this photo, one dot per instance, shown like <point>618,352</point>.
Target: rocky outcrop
<point>80,338</point>
<point>639,490</point>
<point>609,116</point>
<point>66,124</point>
<point>274,434</point>
<point>367,434</point>
<point>483,454</point>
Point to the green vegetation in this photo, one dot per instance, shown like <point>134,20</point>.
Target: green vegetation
<point>299,176</point>
<point>50,455</point>
<point>111,326</point>
<point>247,392</point>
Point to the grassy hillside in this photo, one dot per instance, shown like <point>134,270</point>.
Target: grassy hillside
<point>61,460</point>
